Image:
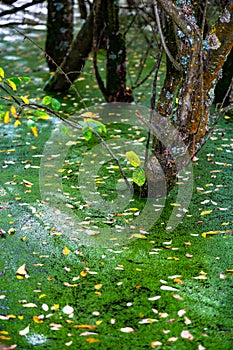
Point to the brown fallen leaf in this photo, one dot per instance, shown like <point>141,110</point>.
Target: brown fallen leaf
<point>84,326</point>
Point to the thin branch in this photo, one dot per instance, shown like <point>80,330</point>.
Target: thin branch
<point>13,97</point>
<point>168,53</point>
<point>175,13</point>
<point>143,61</point>
<point>114,157</point>
<point>145,78</point>
<point>227,93</point>
<point>20,8</point>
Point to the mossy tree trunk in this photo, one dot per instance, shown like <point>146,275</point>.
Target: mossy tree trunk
<point>59,31</point>
<point>198,56</point>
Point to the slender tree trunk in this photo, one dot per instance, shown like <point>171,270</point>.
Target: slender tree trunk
<point>75,59</point>
<point>59,31</point>
<point>115,88</point>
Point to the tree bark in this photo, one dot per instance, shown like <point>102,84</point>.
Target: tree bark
<point>75,59</point>
<point>59,31</point>
<point>187,95</point>
<point>115,88</point>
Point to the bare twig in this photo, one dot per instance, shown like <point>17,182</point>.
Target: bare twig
<point>20,8</point>
<point>104,144</point>
<point>227,93</point>
<point>168,53</point>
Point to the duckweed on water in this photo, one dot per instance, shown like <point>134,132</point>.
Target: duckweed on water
<point>162,290</point>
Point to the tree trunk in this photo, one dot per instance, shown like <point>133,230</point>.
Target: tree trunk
<point>75,59</point>
<point>59,31</point>
<point>187,94</point>
<point>82,9</point>
<point>115,89</point>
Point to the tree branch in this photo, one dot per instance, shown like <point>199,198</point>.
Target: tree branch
<point>168,53</point>
<point>20,8</point>
<point>175,13</point>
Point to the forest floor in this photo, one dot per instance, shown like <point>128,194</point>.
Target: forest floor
<point>163,290</point>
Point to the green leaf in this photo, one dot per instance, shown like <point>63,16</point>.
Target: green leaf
<point>133,158</point>
<point>139,176</point>
<point>2,73</point>
<point>55,104</point>
<point>25,79</point>
<point>87,134</point>
<point>46,100</point>
<point>19,80</point>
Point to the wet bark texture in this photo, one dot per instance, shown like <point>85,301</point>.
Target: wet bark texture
<point>114,90</point>
<point>59,31</point>
<point>188,94</point>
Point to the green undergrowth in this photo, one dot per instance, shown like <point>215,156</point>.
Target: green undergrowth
<point>110,288</point>
<point>169,290</point>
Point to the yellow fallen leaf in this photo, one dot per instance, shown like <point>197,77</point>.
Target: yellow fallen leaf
<point>36,319</point>
<point>98,286</point>
<point>65,251</point>
<point>92,340</point>
<point>177,280</point>
<point>42,296</point>
<point>84,326</point>
<point>210,233</point>
<point>19,277</point>
<point>138,235</point>
<point>201,277</point>
<point>83,273</point>
<point>10,316</point>
<point>5,337</point>
<point>99,322</point>
<point>206,212</point>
